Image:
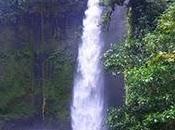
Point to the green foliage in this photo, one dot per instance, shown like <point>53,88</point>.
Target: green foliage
<point>162,39</point>
<point>148,65</point>
<point>142,14</point>
<point>128,54</point>
<point>57,87</point>
<point>112,2</point>
<point>146,82</point>
<point>149,95</point>
<point>27,75</point>
<point>15,84</point>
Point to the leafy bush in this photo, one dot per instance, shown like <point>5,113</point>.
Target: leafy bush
<point>16,84</point>
<point>148,65</point>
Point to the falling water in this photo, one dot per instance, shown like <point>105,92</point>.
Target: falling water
<point>87,106</point>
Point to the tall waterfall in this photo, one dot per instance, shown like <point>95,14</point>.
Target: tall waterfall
<point>87,106</point>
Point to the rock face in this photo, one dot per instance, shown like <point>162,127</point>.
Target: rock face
<point>116,32</point>
<point>38,50</point>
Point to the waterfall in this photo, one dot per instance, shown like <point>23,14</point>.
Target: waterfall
<point>87,106</point>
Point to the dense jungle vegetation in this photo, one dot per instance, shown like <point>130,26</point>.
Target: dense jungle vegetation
<point>146,58</point>
<point>38,42</point>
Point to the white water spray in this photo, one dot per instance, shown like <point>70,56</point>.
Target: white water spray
<point>87,106</point>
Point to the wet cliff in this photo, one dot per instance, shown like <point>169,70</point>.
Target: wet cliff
<point>38,48</point>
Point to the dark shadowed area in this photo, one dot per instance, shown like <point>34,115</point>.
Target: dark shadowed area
<point>117,31</point>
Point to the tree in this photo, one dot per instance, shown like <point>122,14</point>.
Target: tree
<point>148,65</point>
